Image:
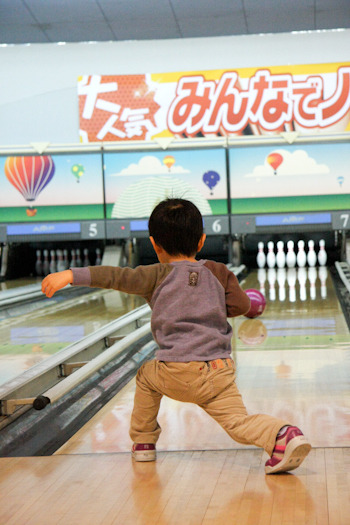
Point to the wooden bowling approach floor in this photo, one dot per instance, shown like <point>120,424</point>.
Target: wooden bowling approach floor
<point>292,362</point>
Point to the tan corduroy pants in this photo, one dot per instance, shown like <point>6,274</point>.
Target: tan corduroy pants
<point>211,385</point>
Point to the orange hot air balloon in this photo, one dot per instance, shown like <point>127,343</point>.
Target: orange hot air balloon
<point>169,161</point>
<point>29,175</point>
<point>275,160</point>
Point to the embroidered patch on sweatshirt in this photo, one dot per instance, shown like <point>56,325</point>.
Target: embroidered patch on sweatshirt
<point>193,279</point>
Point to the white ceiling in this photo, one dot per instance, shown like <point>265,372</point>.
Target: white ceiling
<point>43,21</point>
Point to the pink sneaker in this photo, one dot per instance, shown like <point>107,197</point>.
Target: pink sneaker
<point>290,451</point>
<point>143,452</point>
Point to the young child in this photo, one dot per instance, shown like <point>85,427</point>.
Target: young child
<point>190,302</point>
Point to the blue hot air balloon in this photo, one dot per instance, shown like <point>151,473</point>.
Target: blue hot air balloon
<point>340,180</point>
<point>210,179</point>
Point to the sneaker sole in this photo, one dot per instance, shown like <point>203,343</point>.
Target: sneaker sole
<point>140,455</point>
<point>295,453</point>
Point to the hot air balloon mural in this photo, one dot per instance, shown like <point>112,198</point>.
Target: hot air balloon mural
<point>29,175</point>
<point>169,161</point>
<point>275,160</point>
<point>78,171</point>
<point>210,179</point>
<point>340,180</point>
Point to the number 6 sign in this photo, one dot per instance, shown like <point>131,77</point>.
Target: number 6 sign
<point>216,225</point>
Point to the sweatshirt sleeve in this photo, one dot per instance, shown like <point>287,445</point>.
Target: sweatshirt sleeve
<point>237,301</point>
<point>141,280</point>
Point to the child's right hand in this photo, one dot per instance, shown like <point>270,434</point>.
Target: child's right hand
<point>55,281</point>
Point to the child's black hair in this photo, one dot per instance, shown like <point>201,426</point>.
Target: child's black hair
<point>177,226</point>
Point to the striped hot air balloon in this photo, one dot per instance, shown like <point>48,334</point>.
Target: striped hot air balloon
<point>29,175</point>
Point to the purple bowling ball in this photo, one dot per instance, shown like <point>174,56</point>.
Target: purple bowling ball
<point>257,303</point>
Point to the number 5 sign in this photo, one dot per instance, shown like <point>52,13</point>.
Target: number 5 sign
<point>93,230</point>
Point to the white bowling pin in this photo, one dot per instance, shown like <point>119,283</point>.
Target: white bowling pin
<point>261,257</point>
<point>322,273</point>
<point>302,277</point>
<point>79,262</point>
<point>312,275</point>
<point>291,279</point>
<point>281,256</point>
<point>46,263</point>
<point>301,257</point>
<point>86,261</point>
<point>322,254</point>
<point>65,258</point>
<point>73,262</point>
<point>53,265</point>
<point>281,279</point>
<point>311,254</point>
<point>291,258</point>
<point>271,257</point>
<point>271,277</point>
<point>262,279</point>
<point>38,263</point>
<point>98,257</point>
<point>61,265</point>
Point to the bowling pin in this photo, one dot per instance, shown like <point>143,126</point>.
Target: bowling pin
<point>73,262</point>
<point>261,257</point>
<point>281,279</point>
<point>86,261</point>
<point>301,257</point>
<point>46,263</point>
<point>312,275</point>
<point>291,258</point>
<point>271,277</point>
<point>61,265</point>
<point>262,279</point>
<point>271,257</point>
<point>53,266</point>
<point>78,258</point>
<point>291,279</point>
<point>322,273</point>
<point>311,254</point>
<point>302,277</point>
<point>281,256</point>
<point>322,254</point>
<point>98,257</point>
<point>38,263</point>
<point>65,258</point>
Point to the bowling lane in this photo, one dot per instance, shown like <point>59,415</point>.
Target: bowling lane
<point>292,362</point>
<point>18,283</point>
<point>32,337</point>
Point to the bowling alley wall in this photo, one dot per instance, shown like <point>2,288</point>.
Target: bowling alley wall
<point>54,171</point>
<point>38,88</point>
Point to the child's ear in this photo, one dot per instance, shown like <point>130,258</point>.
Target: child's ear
<point>157,249</point>
<point>152,241</point>
<point>201,242</point>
